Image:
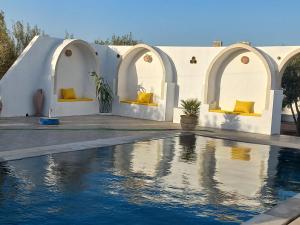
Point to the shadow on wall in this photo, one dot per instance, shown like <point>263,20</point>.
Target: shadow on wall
<point>231,122</point>
<point>210,122</point>
<point>174,72</point>
<point>147,112</point>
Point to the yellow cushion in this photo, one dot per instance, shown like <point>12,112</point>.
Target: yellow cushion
<point>244,107</point>
<point>68,93</point>
<point>144,97</point>
<point>76,100</point>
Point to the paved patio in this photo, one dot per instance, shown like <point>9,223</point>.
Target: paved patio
<point>20,133</point>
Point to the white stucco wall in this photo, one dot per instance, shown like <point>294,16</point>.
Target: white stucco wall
<point>245,82</point>
<point>74,72</point>
<point>238,81</point>
<point>29,73</point>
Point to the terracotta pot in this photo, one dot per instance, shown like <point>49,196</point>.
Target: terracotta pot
<point>188,122</point>
<point>38,102</point>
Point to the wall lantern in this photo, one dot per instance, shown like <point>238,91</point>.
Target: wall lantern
<point>68,52</point>
<point>279,58</point>
<point>245,60</point>
<point>193,60</point>
<point>148,58</point>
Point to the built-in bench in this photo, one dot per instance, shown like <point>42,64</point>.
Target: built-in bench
<point>76,100</point>
<point>233,113</point>
<point>138,103</point>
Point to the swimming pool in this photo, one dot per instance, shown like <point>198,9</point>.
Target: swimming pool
<point>182,180</point>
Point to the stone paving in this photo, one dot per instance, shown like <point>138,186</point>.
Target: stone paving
<point>16,133</point>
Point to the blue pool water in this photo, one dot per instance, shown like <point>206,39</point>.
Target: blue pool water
<point>181,180</point>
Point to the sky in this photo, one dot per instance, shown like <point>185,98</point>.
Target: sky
<point>164,22</point>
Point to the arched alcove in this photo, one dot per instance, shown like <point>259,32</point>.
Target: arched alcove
<point>72,63</point>
<point>239,72</point>
<point>148,69</point>
<point>143,68</point>
<point>285,62</point>
<point>287,113</point>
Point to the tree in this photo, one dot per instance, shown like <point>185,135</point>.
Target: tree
<point>69,35</point>
<point>291,90</point>
<point>7,49</point>
<point>23,34</point>
<point>13,44</point>
<point>126,39</point>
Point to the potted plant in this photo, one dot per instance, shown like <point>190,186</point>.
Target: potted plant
<point>191,108</point>
<point>103,93</point>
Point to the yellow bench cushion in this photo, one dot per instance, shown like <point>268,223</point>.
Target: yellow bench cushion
<point>76,100</point>
<point>233,113</point>
<point>138,103</point>
<point>244,107</point>
<point>68,93</point>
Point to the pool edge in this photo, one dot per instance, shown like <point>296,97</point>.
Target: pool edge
<point>282,214</point>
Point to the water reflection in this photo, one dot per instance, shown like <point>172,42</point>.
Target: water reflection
<point>210,177</point>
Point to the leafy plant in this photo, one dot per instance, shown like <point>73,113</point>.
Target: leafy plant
<point>103,92</point>
<point>23,34</point>
<point>126,39</point>
<point>291,90</point>
<point>12,43</point>
<point>7,48</point>
<point>191,107</point>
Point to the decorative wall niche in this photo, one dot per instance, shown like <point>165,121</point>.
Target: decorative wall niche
<point>245,60</point>
<point>68,52</point>
<point>148,58</point>
<point>193,60</point>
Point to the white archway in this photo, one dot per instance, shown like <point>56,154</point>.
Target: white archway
<point>74,70</point>
<point>282,66</point>
<point>135,73</point>
<point>145,68</point>
<point>219,63</point>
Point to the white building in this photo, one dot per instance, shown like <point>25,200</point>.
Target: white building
<point>217,76</point>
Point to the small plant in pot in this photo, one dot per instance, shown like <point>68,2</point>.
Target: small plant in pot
<point>191,108</point>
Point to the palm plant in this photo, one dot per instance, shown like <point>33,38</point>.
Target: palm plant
<point>191,107</point>
<point>104,93</point>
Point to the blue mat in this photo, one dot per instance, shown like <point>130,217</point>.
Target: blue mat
<point>49,121</point>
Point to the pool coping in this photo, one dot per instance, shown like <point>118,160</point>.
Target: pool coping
<point>282,214</point>
<point>23,153</point>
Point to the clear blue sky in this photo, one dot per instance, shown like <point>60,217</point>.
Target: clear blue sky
<point>164,22</point>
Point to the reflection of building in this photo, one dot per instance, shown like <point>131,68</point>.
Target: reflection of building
<point>209,171</point>
<point>146,157</point>
<point>241,171</point>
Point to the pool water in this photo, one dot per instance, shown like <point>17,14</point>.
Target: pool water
<point>182,180</point>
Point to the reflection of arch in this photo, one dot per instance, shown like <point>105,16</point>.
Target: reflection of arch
<point>87,59</point>
<point>285,63</point>
<point>213,72</point>
<point>128,78</point>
